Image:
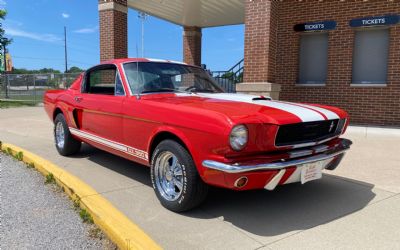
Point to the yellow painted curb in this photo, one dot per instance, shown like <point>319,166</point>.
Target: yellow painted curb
<point>121,230</point>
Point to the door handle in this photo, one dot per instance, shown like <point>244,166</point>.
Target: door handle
<point>78,98</point>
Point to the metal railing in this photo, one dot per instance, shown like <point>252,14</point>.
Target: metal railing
<point>30,88</point>
<point>229,78</point>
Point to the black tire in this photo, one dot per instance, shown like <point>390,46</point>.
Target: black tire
<point>194,189</point>
<point>71,145</point>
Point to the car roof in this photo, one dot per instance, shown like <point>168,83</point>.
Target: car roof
<point>125,60</point>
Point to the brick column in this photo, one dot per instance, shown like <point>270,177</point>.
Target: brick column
<point>113,17</point>
<point>192,45</point>
<point>260,48</point>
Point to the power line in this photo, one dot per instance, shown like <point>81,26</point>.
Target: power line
<point>84,63</point>
<point>84,51</point>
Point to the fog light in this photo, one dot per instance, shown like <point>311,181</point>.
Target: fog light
<point>241,182</point>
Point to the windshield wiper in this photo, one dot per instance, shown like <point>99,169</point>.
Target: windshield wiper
<point>203,91</point>
<point>193,89</point>
<point>163,90</point>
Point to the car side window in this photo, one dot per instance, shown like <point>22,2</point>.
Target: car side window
<point>119,88</point>
<point>104,81</point>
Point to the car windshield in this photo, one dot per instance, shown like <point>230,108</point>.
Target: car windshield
<point>153,77</point>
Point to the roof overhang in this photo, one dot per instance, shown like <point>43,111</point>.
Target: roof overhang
<point>199,13</point>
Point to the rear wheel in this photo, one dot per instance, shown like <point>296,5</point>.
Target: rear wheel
<point>175,179</point>
<point>65,143</point>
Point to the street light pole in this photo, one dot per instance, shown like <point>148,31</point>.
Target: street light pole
<point>65,49</point>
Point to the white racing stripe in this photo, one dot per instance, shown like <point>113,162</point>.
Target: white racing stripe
<point>304,113</point>
<point>111,144</point>
<point>329,114</point>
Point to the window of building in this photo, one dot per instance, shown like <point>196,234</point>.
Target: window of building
<point>370,56</point>
<point>313,63</point>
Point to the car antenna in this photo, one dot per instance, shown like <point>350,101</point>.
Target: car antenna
<point>137,74</point>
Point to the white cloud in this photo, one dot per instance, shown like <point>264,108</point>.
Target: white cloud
<point>12,22</point>
<point>64,15</point>
<point>86,30</point>
<point>13,32</point>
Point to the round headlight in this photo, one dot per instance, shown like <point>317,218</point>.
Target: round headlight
<point>238,137</point>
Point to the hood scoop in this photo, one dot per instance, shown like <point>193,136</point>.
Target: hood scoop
<point>261,98</point>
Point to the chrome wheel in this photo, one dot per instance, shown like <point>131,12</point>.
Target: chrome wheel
<point>168,175</point>
<point>60,138</point>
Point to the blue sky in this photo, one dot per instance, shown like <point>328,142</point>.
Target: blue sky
<point>37,30</point>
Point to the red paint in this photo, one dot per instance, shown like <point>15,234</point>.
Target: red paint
<point>202,124</point>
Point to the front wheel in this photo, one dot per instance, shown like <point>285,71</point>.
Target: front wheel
<point>175,179</point>
<point>65,143</point>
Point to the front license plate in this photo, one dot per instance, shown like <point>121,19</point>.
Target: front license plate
<point>311,171</point>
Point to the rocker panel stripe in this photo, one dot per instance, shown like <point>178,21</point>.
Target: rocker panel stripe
<point>111,144</point>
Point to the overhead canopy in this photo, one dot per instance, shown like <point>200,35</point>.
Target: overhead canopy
<point>199,13</point>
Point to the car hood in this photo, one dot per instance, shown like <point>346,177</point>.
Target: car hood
<point>247,108</point>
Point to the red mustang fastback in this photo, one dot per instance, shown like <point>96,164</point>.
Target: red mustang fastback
<point>175,119</point>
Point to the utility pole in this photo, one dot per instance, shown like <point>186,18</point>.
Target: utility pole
<point>5,69</point>
<point>65,49</point>
<point>143,17</point>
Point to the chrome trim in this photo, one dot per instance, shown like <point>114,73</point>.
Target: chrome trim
<point>117,74</point>
<point>340,148</point>
<point>126,79</point>
<point>168,175</point>
<point>60,135</point>
<point>240,178</point>
<point>307,144</point>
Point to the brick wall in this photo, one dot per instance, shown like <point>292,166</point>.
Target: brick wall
<point>260,40</point>
<point>192,45</point>
<point>366,105</point>
<point>113,30</point>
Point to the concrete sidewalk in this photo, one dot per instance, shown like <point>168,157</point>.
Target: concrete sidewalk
<point>354,206</point>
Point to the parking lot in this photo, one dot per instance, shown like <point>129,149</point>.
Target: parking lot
<point>355,206</point>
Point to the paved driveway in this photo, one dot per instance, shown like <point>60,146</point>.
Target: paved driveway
<point>356,205</point>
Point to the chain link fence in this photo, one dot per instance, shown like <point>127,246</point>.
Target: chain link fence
<point>30,88</point>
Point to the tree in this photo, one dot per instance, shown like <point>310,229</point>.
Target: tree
<point>3,40</point>
<point>35,71</point>
<point>228,75</point>
<point>75,69</point>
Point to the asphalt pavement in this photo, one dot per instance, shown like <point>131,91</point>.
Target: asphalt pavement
<point>355,206</point>
<point>38,216</point>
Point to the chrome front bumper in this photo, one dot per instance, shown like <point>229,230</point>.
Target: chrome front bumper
<point>340,148</point>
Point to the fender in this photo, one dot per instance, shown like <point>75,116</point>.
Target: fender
<point>173,130</point>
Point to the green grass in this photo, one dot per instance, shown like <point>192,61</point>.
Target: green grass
<point>77,204</point>
<point>19,156</point>
<point>85,216</point>
<point>50,179</point>
<point>14,104</point>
